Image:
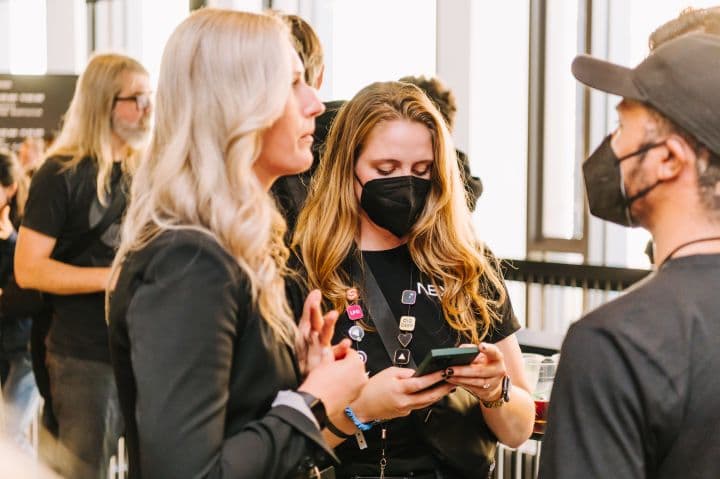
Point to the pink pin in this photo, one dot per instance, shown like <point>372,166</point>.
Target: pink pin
<point>354,312</point>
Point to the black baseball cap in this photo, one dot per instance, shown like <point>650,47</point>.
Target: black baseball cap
<point>680,79</point>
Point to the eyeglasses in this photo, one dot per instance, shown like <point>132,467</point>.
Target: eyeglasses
<point>142,101</point>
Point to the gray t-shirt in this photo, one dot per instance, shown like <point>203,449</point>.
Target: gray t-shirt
<point>637,390</point>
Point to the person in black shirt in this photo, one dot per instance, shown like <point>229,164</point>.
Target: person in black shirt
<point>85,175</point>
<point>215,378</point>
<point>18,388</point>
<point>388,198</point>
<point>634,389</point>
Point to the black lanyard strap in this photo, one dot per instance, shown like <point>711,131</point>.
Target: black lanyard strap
<point>380,313</point>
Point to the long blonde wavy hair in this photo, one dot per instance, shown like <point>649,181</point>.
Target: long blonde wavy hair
<point>87,126</point>
<point>224,79</point>
<point>442,243</point>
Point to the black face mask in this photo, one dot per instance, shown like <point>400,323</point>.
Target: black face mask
<point>394,203</point>
<point>605,187</point>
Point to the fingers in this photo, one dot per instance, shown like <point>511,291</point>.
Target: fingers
<point>327,355</point>
<point>415,384</point>
<point>476,371</point>
<point>340,350</point>
<point>328,327</point>
<point>316,317</point>
<point>304,324</point>
<point>491,352</point>
<point>311,319</point>
<point>431,395</point>
<point>488,384</point>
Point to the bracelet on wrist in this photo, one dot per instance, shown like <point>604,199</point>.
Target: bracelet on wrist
<point>504,395</point>
<point>336,430</point>
<point>363,426</point>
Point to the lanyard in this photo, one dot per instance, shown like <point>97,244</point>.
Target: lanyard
<point>683,245</point>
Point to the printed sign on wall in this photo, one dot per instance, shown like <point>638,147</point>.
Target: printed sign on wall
<point>33,105</point>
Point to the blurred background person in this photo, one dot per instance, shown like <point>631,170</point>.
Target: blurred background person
<point>66,245</point>
<point>18,383</point>
<point>31,154</point>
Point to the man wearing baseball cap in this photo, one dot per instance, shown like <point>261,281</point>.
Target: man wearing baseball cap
<point>637,392</point>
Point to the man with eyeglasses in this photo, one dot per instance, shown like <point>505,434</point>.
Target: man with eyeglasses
<point>131,125</point>
<point>65,247</point>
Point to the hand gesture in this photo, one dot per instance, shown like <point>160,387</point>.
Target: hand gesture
<point>483,377</point>
<point>337,378</point>
<point>316,331</point>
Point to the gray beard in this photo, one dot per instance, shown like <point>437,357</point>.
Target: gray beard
<point>135,136</point>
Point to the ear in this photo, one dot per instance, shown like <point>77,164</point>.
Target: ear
<point>320,77</point>
<point>679,155</point>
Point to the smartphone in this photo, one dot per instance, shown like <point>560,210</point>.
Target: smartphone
<point>443,358</point>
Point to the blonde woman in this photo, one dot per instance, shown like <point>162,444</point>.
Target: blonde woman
<point>66,245</point>
<point>400,213</point>
<point>202,337</point>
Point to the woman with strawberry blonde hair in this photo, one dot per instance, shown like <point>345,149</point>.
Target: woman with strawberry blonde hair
<point>388,207</point>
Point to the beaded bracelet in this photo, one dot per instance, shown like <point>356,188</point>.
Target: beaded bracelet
<point>363,426</point>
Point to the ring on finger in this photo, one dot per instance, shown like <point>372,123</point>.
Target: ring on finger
<point>486,386</point>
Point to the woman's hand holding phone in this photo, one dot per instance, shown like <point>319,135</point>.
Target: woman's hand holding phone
<point>483,377</point>
<point>395,392</point>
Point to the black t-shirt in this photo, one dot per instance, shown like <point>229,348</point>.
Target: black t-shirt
<point>394,272</point>
<point>636,392</point>
<point>63,204</point>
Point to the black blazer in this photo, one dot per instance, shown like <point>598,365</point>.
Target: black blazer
<point>197,369</point>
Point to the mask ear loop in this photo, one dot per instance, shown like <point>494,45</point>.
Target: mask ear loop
<point>358,179</point>
<point>643,192</point>
<point>640,151</point>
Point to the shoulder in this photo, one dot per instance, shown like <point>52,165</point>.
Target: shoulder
<point>644,330</point>
<point>63,166</point>
<point>179,253</point>
<point>52,166</point>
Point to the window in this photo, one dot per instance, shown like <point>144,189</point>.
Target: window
<point>557,122</point>
<point>377,40</point>
<point>159,20</point>
<point>28,37</point>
